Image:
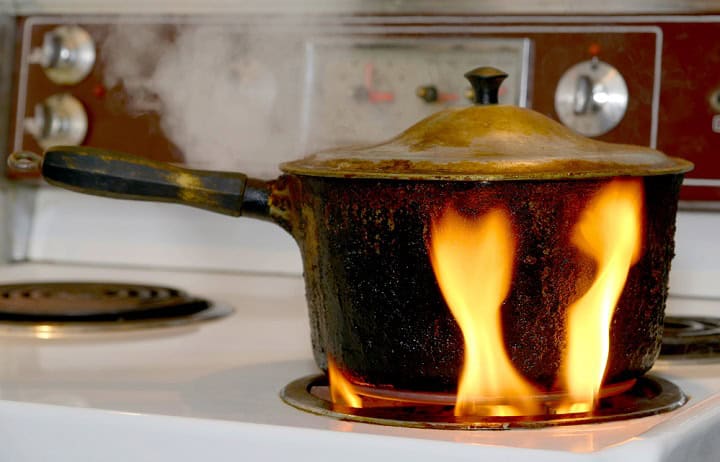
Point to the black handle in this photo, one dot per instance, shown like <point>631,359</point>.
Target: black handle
<point>114,174</point>
<point>486,83</point>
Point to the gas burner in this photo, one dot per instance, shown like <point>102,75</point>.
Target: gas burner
<point>637,398</point>
<point>55,309</point>
<point>690,337</point>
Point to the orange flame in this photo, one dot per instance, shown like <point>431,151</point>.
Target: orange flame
<point>473,264</point>
<point>609,231</point>
<point>341,390</point>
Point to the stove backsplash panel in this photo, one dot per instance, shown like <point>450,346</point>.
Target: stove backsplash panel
<point>247,93</point>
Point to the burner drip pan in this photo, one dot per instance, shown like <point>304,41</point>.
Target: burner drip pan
<point>58,309</point>
<point>688,337</point>
<point>93,301</point>
<point>644,397</point>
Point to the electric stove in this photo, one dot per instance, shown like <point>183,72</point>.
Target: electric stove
<point>208,385</point>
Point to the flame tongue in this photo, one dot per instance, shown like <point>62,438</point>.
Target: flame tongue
<point>609,231</point>
<point>341,390</point>
<point>473,263</point>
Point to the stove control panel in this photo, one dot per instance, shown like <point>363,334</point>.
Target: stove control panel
<point>226,94</point>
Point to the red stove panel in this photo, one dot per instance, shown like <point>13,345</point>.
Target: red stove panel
<point>299,96</point>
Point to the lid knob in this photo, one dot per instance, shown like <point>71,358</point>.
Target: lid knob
<point>486,83</point>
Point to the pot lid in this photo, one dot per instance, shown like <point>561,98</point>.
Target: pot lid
<point>488,142</point>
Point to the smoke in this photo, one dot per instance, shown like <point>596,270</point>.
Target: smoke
<point>229,95</point>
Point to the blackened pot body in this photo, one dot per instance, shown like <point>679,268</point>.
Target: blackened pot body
<point>375,306</point>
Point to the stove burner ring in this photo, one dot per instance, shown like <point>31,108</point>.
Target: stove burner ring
<point>93,301</point>
<point>690,337</point>
<point>647,396</point>
<point>414,398</point>
<point>58,309</point>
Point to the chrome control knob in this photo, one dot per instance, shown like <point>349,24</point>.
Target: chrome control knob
<point>58,120</point>
<point>67,54</point>
<point>591,98</point>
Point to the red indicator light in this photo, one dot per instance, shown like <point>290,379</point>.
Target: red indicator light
<point>99,91</point>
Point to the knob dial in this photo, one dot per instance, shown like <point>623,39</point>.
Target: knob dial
<point>58,120</point>
<point>591,97</point>
<point>427,93</point>
<point>67,54</point>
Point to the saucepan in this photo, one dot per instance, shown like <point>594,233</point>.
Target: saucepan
<point>362,219</point>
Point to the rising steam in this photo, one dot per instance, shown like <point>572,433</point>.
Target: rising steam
<point>219,89</point>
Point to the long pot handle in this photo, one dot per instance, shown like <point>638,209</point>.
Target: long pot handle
<point>119,175</point>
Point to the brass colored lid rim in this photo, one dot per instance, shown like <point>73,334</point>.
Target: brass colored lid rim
<point>488,143</point>
<point>602,170</point>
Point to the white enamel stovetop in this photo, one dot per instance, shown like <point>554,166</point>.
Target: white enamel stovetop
<point>211,392</point>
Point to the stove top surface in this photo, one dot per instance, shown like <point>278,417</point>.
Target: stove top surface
<point>211,389</point>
